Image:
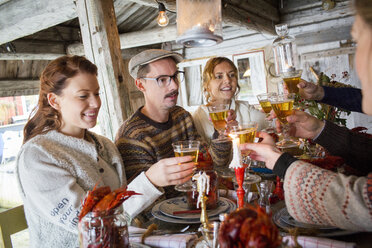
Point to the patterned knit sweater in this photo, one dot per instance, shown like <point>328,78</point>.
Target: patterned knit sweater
<point>318,196</point>
<point>142,142</point>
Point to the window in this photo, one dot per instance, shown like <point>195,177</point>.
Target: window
<point>251,75</point>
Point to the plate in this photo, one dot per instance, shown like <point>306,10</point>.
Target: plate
<point>169,206</point>
<point>161,216</point>
<point>138,245</point>
<point>288,219</point>
<point>282,220</point>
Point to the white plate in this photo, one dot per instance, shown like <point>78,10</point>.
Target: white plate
<point>159,215</point>
<point>169,206</point>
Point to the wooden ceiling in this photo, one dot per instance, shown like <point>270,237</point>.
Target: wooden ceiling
<point>35,32</point>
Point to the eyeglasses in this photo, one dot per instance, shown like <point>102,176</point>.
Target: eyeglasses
<point>165,81</point>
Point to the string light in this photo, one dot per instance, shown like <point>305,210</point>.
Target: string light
<point>162,19</point>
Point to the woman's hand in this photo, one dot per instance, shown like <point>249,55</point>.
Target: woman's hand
<point>310,91</point>
<point>171,171</point>
<point>265,151</point>
<point>231,120</point>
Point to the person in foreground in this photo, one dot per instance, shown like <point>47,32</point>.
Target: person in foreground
<point>145,139</point>
<point>220,84</point>
<point>60,160</point>
<point>315,195</point>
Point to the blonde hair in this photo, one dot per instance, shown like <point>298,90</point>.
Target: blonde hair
<point>208,74</point>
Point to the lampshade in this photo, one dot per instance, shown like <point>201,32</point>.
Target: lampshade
<point>199,22</point>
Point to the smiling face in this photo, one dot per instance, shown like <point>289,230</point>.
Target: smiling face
<point>223,85</point>
<point>78,104</point>
<point>362,34</point>
<point>159,98</point>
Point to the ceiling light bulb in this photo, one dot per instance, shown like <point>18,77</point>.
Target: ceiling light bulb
<point>162,19</point>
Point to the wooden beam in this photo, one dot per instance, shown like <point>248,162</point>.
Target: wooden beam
<point>3,1</point>
<point>19,87</point>
<point>136,39</point>
<point>260,8</point>
<point>234,16</point>
<point>102,46</point>
<point>29,56</point>
<point>231,15</point>
<point>19,18</point>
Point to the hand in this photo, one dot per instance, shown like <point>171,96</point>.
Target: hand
<point>304,125</point>
<point>265,151</point>
<point>310,91</point>
<point>231,120</point>
<point>171,171</point>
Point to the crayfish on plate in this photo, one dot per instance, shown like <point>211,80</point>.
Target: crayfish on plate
<point>248,227</point>
<point>101,223</point>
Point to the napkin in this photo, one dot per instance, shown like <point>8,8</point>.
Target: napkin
<point>164,241</point>
<point>316,242</point>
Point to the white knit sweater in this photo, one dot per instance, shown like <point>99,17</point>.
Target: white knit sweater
<point>55,171</point>
<point>244,113</point>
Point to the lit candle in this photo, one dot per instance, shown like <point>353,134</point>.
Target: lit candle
<point>236,161</point>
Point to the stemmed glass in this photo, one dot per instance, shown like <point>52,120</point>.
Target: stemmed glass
<point>291,78</point>
<point>186,148</point>
<point>246,133</point>
<point>282,105</point>
<point>218,114</point>
<point>264,101</point>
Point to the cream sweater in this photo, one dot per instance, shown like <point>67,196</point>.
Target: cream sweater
<point>55,171</point>
<point>244,113</point>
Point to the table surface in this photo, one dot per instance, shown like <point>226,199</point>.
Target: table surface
<point>362,239</point>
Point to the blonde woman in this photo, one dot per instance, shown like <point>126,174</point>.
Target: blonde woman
<point>220,84</point>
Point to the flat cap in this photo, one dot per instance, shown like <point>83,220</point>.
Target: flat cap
<point>149,56</point>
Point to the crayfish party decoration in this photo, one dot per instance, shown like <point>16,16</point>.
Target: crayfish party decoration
<point>101,220</point>
<point>249,227</point>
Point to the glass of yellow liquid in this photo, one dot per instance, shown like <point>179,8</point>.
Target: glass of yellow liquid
<point>218,113</point>
<point>282,105</point>
<point>291,78</point>
<point>246,133</point>
<point>186,148</point>
<point>264,101</point>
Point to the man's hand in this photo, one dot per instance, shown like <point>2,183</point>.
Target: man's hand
<point>304,125</point>
<point>171,171</point>
<point>310,91</point>
<point>265,151</point>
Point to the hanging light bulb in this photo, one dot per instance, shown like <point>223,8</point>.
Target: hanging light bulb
<point>163,19</point>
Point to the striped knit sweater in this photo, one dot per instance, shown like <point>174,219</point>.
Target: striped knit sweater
<point>142,142</point>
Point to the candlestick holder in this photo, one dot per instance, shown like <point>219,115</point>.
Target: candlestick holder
<point>202,182</point>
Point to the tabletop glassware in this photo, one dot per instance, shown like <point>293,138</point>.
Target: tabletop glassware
<point>210,234</point>
<point>186,148</point>
<point>218,113</point>
<point>264,101</point>
<point>247,134</point>
<point>282,105</point>
<point>264,190</point>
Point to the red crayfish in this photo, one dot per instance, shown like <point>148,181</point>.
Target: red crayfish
<point>102,199</point>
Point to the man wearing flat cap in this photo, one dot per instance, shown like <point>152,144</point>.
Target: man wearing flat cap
<point>145,139</point>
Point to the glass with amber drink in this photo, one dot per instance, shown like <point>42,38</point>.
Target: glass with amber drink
<point>218,113</point>
<point>246,133</point>
<point>291,78</point>
<point>282,105</point>
<point>186,148</point>
<point>264,101</point>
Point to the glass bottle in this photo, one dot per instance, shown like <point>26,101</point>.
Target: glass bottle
<point>283,50</point>
<point>264,190</point>
<point>104,230</point>
<point>213,195</point>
